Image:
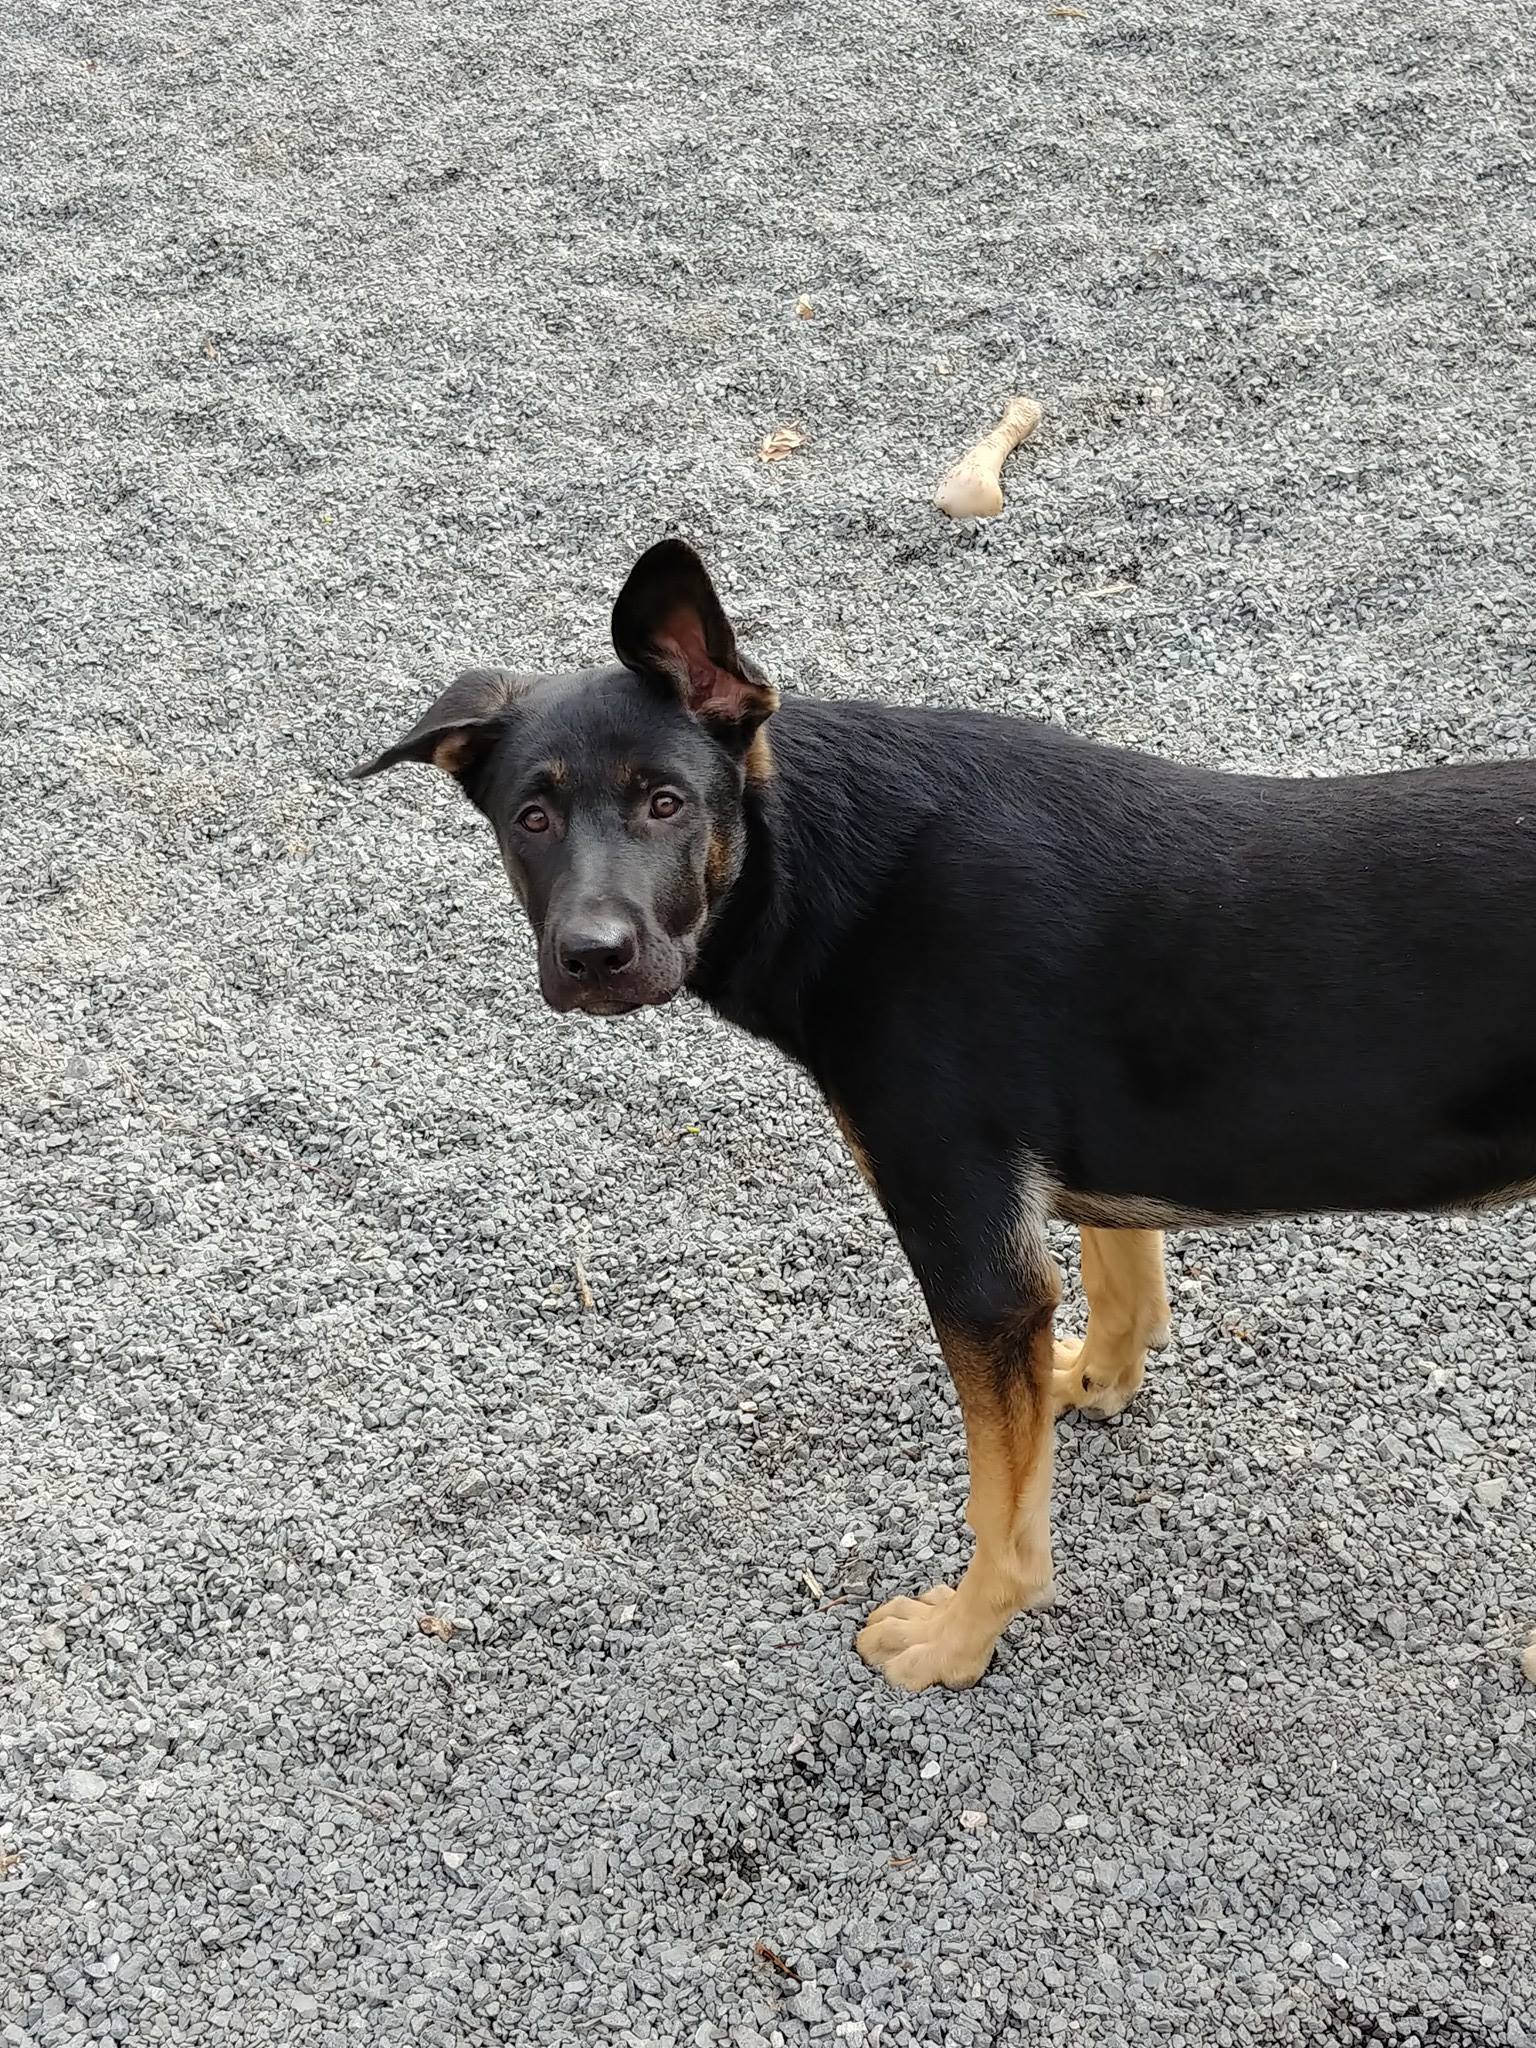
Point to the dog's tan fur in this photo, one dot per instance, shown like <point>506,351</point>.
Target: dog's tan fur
<point>717,866</point>
<point>758,761</point>
<point>451,753</point>
<point>947,1636</point>
<point>855,1146</point>
<point>1127,1317</point>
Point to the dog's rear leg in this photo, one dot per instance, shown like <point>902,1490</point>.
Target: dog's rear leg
<point>1127,1316</point>
<point>1000,1357</point>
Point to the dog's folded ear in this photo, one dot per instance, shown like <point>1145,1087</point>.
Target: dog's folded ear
<point>458,728</point>
<point>669,626</point>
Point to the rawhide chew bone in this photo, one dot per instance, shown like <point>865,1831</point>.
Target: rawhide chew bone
<point>973,488</point>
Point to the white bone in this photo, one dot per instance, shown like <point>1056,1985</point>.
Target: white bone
<point>973,488</point>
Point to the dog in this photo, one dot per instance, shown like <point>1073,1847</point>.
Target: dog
<point>1035,978</point>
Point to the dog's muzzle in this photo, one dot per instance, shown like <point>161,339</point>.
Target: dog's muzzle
<point>604,968</point>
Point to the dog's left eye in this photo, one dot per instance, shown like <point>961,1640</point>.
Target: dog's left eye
<point>666,803</point>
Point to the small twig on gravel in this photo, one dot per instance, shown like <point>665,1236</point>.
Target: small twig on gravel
<point>373,1809</point>
<point>775,1961</point>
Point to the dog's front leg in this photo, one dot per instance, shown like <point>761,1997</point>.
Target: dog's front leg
<point>994,1326</point>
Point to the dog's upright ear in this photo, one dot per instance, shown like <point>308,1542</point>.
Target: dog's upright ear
<point>456,731</point>
<point>669,626</point>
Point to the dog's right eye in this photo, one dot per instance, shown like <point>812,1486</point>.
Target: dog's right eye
<point>533,818</point>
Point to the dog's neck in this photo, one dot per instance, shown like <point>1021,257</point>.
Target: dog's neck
<point>828,828</point>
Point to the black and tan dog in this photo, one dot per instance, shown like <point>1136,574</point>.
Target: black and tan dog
<point>1034,977</point>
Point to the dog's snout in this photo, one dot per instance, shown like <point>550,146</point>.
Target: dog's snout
<point>608,959</point>
<point>587,953</point>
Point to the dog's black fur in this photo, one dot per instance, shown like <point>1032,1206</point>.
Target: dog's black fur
<point>1033,975</point>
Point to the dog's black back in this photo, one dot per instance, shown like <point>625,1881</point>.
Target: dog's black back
<point>1189,993</point>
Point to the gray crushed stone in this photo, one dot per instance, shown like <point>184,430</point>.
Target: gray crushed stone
<point>347,345</point>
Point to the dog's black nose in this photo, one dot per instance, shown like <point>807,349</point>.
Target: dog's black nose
<point>606,949</point>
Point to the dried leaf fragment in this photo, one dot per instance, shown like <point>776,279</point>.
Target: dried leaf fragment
<point>781,442</point>
<point>584,1292</point>
<point>435,1625</point>
<point>804,310</point>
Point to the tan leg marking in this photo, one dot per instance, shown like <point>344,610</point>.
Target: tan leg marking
<point>1127,1315</point>
<point>947,1636</point>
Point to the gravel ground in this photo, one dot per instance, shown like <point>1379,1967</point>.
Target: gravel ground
<point>348,345</point>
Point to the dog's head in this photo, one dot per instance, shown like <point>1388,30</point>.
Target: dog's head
<point>615,793</point>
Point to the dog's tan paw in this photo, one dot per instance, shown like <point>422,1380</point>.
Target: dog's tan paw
<point>922,1642</point>
<point>1074,1387</point>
